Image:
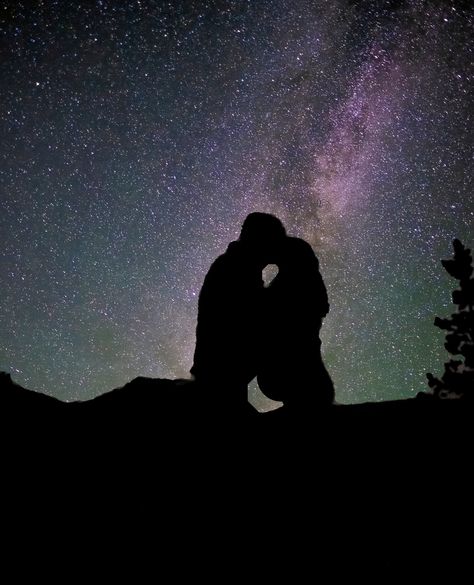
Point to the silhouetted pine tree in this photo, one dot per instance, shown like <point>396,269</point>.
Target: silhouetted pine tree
<point>458,378</point>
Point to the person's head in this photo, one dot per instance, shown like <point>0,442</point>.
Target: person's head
<point>263,234</point>
<point>297,256</point>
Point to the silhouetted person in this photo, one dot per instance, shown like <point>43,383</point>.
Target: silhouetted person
<point>227,334</point>
<point>296,302</point>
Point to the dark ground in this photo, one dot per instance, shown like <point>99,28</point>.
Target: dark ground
<point>379,490</point>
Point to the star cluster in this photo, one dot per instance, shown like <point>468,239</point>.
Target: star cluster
<point>137,135</point>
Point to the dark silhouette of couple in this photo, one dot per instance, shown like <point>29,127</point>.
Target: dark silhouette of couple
<point>245,330</point>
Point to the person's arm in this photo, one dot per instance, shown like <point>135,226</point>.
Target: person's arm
<point>321,293</point>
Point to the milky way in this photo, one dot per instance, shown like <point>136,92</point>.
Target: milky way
<point>136,136</point>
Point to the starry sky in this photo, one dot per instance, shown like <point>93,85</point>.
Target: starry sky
<point>135,137</point>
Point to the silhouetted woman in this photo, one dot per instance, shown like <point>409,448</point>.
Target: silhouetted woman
<point>292,370</point>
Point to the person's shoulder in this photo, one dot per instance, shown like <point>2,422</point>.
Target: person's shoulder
<point>299,243</point>
<point>223,262</point>
<point>232,253</point>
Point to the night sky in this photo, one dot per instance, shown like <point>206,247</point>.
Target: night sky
<point>135,137</point>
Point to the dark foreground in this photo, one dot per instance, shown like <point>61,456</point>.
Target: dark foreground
<point>381,490</point>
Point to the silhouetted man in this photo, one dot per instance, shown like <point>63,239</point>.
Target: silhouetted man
<point>227,334</point>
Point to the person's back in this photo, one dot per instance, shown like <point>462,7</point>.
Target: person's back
<point>228,308</point>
